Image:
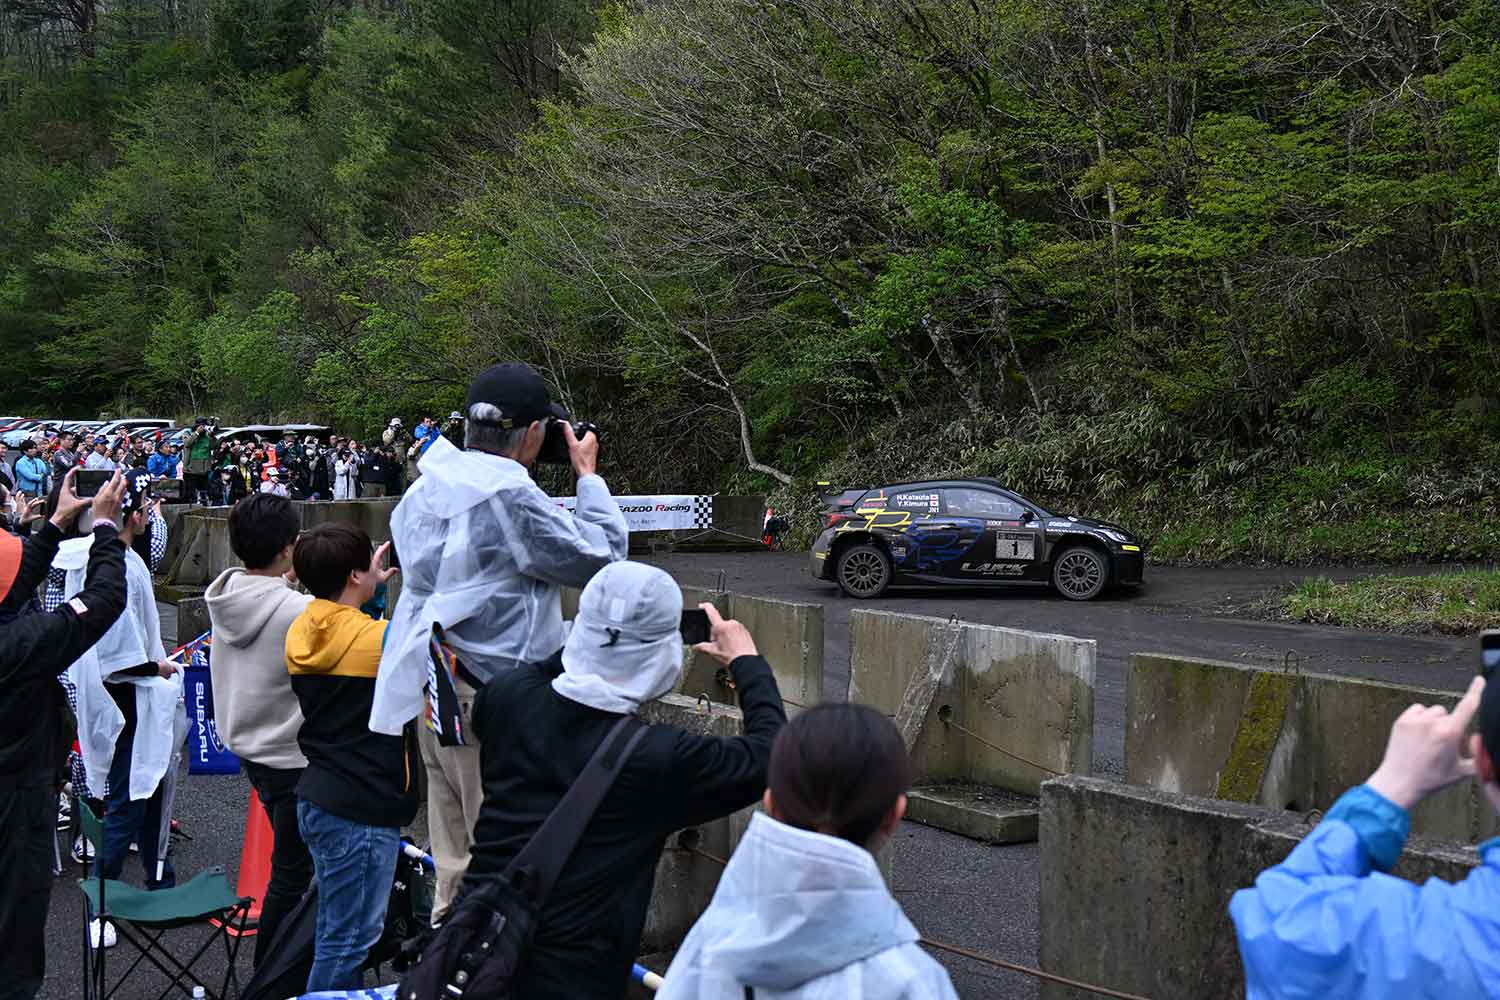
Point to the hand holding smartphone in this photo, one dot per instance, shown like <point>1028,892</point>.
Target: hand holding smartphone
<point>695,627</point>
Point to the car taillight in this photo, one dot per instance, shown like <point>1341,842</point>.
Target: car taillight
<point>836,518</point>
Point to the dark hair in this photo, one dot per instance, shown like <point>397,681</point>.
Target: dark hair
<point>28,444</point>
<point>260,526</point>
<point>838,769</point>
<point>327,554</point>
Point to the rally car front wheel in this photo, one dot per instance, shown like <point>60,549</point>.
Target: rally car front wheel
<point>863,571</point>
<point>1080,574</point>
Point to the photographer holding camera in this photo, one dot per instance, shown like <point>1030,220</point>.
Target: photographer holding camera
<point>1328,921</point>
<point>484,553</point>
<point>200,447</point>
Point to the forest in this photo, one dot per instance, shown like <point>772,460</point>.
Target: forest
<point>1225,270</point>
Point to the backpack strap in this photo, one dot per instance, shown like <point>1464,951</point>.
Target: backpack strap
<point>542,860</point>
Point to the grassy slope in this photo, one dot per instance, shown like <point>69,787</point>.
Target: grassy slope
<point>1459,603</point>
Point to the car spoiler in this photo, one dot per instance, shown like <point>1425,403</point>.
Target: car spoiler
<point>830,492</point>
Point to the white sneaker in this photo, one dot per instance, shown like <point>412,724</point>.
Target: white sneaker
<point>110,937</point>
<point>64,812</point>
<point>82,850</point>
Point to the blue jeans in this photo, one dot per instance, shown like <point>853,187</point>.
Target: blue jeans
<point>355,866</point>
<point>126,820</point>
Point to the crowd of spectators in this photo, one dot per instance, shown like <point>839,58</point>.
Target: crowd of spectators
<point>219,470</point>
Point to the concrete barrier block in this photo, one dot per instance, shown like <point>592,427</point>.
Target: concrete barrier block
<point>789,634</point>
<point>204,552</point>
<point>1013,707</point>
<point>1288,740</point>
<point>1136,882</point>
<point>685,882</point>
<point>192,619</point>
<point>374,515</point>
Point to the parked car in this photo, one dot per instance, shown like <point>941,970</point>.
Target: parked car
<point>969,532</point>
<point>114,427</point>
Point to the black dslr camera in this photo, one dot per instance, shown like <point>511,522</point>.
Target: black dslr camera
<point>555,444</point>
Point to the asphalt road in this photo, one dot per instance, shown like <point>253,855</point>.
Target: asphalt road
<point>954,890</point>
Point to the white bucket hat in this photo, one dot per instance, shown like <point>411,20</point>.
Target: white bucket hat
<point>625,647</point>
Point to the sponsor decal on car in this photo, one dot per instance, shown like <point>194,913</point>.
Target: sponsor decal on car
<point>1002,524</point>
<point>993,569</point>
<point>1015,545</point>
<point>915,501</point>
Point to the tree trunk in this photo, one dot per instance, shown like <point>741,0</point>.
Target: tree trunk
<point>947,353</point>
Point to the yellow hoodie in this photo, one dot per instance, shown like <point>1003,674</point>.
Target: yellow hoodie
<point>333,655</point>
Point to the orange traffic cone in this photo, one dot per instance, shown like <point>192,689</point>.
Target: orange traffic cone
<point>255,863</point>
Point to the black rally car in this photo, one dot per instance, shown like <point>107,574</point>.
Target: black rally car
<point>971,532</point>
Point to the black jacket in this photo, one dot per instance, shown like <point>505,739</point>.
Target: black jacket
<point>534,743</point>
<point>36,647</point>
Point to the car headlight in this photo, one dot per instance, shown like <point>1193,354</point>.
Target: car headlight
<point>1115,535</point>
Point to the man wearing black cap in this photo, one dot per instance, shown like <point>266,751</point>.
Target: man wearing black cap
<point>484,554</point>
<point>1328,921</point>
<point>34,738</point>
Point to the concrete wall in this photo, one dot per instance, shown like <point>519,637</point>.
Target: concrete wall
<point>198,538</point>
<point>1287,740</point>
<point>686,882</point>
<point>1029,693</point>
<point>1135,885</point>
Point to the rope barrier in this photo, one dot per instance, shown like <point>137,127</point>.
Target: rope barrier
<point>945,714</point>
<point>998,963</point>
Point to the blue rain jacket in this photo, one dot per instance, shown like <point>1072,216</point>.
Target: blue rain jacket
<point>1327,922</point>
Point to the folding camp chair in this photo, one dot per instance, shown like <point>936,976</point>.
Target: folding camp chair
<point>143,918</point>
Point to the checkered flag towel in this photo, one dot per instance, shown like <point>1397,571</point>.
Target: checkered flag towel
<point>703,512</point>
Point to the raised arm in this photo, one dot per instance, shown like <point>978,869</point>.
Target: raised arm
<point>712,776</point>
<point>1328,922</point>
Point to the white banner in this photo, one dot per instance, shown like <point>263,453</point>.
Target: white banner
<point>663,513</point>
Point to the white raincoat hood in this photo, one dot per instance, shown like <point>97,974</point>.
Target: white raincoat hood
<point>483,554</point>
<point>625,647</point>
<point>134,638</point>
<point>801,914</point>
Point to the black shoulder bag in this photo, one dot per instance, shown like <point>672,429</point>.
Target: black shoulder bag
<point>485,935</point>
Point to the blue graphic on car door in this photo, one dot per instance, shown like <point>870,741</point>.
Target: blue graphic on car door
<point>931,543</point>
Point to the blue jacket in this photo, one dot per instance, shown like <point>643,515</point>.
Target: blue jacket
<point>160,466</point>
<point>1320,924</point>
<point>31,475</point>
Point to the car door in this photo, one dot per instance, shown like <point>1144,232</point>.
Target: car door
<point>1010,546</point>
<point>922,542</point>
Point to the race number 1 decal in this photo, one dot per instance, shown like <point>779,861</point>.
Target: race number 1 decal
<point>1015,546</point>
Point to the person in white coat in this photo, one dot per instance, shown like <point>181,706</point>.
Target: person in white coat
<point>131,717</point>
<point>484,556</point>
<point>344,468</point>
<point>802,912</point>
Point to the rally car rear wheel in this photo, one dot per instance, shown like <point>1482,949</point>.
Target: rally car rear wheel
<point>863,571</point>
<point>1080,574</point>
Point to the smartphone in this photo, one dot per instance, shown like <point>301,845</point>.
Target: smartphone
<point>1489,652</point>
<point>392,557</point>
<point>89,482</point>
<point>694,626</point>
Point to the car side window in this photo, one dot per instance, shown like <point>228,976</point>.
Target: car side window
<point>981,503</point>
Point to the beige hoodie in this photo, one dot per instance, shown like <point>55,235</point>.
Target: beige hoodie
<point>256,712</point>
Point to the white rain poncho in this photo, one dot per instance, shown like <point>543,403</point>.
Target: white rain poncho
<point>806,916</point>
<point>483,552</point>
<point>134,639</point>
